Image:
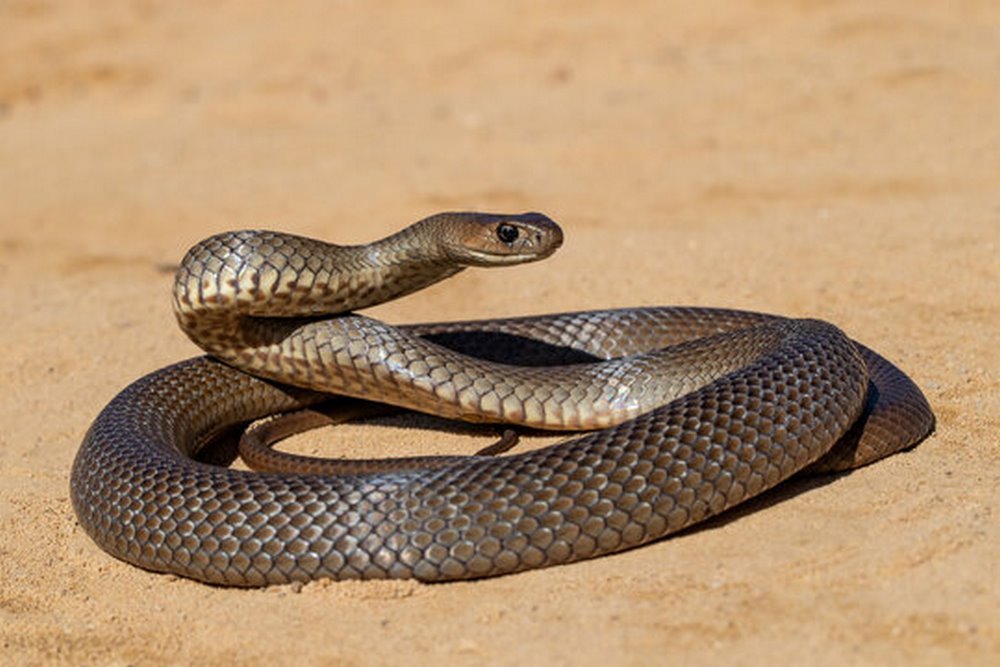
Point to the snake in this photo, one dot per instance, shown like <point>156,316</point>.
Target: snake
<point>681,413</point>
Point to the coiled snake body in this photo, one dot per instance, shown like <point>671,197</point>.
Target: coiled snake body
<point>700,409</point>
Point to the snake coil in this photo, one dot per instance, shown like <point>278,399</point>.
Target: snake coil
<point>697,410</point>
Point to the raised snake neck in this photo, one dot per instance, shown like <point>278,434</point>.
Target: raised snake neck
<point>704,408</point>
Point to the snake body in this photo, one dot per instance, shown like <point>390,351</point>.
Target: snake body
<point>698,410</point>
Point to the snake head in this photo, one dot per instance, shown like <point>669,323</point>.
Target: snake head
<point>493,239</point>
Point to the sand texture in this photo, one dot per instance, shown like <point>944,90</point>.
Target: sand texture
<point>831,159</point>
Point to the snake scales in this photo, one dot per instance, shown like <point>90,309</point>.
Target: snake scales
<point>699,409</point>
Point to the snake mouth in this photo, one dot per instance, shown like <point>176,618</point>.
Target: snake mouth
<point>485,258</point>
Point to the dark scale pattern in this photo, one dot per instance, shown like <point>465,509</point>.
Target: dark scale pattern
<point>779,395</point>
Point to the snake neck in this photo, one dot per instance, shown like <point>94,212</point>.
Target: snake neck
<point>229,281</point>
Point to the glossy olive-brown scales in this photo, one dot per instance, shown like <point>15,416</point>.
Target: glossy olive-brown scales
<point>701,426</point>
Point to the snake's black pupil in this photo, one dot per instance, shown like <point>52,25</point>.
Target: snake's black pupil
<point>507,233</point>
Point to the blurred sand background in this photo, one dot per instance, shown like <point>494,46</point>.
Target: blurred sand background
<point>833,159</point>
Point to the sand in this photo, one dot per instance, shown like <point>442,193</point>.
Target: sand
<point>838,160</point>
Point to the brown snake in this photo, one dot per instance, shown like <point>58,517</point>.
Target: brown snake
<point>701,409</point>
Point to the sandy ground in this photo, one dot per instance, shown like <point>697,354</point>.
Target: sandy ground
<point>831,159</point>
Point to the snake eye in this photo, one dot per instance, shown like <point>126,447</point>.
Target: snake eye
<point>507,233</point>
